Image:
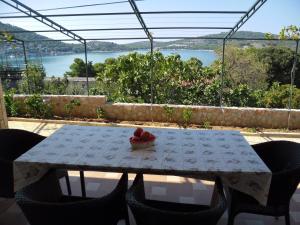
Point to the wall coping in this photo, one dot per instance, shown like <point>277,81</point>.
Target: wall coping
<point>71,96</point>
<point>204,106</point>
<point>170,105</point>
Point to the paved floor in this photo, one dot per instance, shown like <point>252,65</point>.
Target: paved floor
<point>169,188</point>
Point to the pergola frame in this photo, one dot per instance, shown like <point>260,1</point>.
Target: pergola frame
<point>72,36</point>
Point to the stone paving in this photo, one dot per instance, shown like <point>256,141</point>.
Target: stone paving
<point>169,188</point>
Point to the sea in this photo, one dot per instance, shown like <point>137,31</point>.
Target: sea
<point>57,65</point>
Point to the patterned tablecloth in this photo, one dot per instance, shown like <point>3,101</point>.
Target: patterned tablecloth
<point>192,153</point>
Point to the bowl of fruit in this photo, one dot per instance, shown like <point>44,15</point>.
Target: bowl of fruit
<point>142,139</point>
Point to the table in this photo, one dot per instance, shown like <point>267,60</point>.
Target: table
<point>179,152</point>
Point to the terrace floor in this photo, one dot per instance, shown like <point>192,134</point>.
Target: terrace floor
<point>169,188</point>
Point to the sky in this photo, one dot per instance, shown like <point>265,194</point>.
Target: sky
<point>271,17</point>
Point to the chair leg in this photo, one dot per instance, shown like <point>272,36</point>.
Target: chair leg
<point>230,218</point>
<point>287,219</point>
<point>127,219</point>
<point>68,185</point>
<point>82,181</point>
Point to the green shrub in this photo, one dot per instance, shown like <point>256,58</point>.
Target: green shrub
<point>187,116</point>
<point>169,111</point>
<point>207,125</point>
<point>101,114</point>
<point>278,96</point>
<point>12,106</point>
<point>69,107</point>
<point>56,86</point>
<point>32,80</point>
<point>37,107</point>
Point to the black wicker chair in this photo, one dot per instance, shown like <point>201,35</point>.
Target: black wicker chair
<point>13,143</point>
<point>44,204</point>
<point>152,212</point>
<point>283,159</point>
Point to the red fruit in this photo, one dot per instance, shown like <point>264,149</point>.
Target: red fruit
<point>135,139</point>
<point>138,132</point>
<point>145,136</point>
<point>152,137</point>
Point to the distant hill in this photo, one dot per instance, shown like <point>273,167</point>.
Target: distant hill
<point>58,48</point>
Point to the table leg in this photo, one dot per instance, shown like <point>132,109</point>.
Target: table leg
<point>82,183</point>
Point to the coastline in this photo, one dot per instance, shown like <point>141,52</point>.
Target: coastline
<point>59,64</point>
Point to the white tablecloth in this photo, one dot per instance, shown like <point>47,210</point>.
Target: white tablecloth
<point>192,153</point>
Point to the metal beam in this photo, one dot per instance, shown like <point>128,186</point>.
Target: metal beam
<point>127,13</point>
<point>162,38</point>
<point>246,17</point>
<point>124,28</point>
<point>92,39</point>
<point>41,18</point>
<point>140,18</point>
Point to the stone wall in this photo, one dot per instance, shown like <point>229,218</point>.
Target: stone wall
<point>226,116</point>
<point>3,117</point>
<point>87,108</point>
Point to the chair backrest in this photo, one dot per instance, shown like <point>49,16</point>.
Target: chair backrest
<point>283,159</point>
<point>14,142</point>
<point>43,203</point>
<point>148,215</point>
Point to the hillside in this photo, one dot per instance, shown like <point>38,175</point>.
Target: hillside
<point>58,48</point>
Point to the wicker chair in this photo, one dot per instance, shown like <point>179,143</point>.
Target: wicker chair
<point>283,159</point>
<point>14,143</point>
<point>44,204</point>
<point>152,212</point>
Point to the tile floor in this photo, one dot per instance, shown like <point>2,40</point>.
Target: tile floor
<point>168,188</point>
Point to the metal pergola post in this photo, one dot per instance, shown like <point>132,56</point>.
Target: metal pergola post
<point>293,72</point>
<point>151,71</point>
<point>222,72</point>
<point>24,54</point>
<point>26,62</point>
<point>86,68</point>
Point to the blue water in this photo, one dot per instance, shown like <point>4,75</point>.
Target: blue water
<point>58,65</point>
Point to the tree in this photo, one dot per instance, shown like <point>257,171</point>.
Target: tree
<point>56,86</point>
<point>6,36</point>
<point>33,79</point>
<point>290,32</point>
<point>77,69</point>
<point>278,97</point>
<point>243,67</point>
<point>279,62</point>
<point>129,78</point>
